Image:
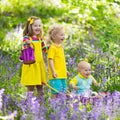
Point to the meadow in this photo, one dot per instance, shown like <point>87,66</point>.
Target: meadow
<point>91,33</point>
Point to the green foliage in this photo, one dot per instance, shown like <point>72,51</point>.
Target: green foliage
<point>92,33</point>
<point>15,12</point>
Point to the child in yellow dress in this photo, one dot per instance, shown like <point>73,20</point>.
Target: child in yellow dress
<point>34,75</point>
<point>56,61</point>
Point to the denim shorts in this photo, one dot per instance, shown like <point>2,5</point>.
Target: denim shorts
<point>58,84</point>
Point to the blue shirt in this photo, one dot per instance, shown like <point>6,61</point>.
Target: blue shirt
<point>82,83</point>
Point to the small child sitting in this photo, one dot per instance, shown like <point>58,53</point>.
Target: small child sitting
<point>81,83</point>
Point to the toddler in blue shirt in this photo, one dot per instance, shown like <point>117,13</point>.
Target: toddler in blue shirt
<point>82,82</point>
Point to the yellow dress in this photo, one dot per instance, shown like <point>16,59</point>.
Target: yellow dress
<point>34,74</point>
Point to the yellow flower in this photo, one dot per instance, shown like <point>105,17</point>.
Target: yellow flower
<point>31,20</point>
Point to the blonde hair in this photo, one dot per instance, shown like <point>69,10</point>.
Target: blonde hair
<point>53,31</point>
<point>82,64</point>
<point>28,27</point>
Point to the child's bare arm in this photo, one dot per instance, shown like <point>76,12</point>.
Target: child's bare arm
<point>95,83</point>
<point>74,86</point>
<point>73,83</point>
<point>52,68</point>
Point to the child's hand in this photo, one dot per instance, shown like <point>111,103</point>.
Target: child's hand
<point>97,84</point>
<point>54,75</point>
<point>75,87</point>
<point>68,74</point>
<point>27,41</point>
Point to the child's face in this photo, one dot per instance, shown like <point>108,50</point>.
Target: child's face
<point>36,27</point>
<point>85,71</point>
<point>59,37</point>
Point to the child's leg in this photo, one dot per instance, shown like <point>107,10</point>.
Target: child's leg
<point>30,93</point>
<point>40,91</point>
<point>30,88</point>
<point>56,85</point>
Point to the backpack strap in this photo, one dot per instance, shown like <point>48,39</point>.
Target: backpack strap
<point>31,43</point>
